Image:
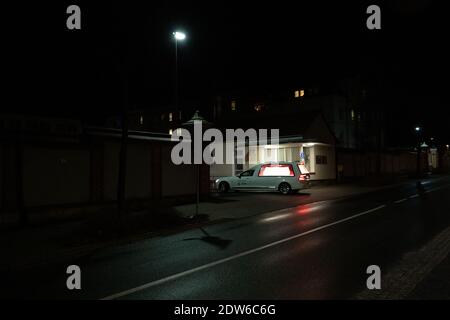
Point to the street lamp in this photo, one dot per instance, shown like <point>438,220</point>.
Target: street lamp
<point>190,125</point>
<point>418,129</point>
<point>178,36</point>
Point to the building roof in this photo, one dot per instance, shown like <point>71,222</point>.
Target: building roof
<point>132,134</point>
<point>294,124</point>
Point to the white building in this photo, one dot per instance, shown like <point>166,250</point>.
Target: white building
<point>315,144</point>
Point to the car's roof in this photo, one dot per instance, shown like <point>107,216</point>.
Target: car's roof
<point>280,162</point>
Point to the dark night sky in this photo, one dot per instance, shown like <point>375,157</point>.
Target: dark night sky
<point>232,48</point>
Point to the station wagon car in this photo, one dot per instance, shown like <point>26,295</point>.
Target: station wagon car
<point>284,177</point>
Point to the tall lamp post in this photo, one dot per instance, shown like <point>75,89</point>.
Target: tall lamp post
<point>418,129</point>
<point>178,36</point>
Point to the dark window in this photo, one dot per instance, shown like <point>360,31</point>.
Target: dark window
<point>321,159</point>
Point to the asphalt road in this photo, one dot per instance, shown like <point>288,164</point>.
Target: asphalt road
<point>314,251</point>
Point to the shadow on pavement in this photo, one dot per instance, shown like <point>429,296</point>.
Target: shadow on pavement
<point>303,194</point>
<point>215,241</point>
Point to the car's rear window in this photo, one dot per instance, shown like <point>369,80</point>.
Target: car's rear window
<point>276,170</point>
<point>303,169</point>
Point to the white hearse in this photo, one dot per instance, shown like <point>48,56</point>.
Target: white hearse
<point>284,177</point>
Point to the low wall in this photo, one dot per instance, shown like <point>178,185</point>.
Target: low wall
<point>358,164</point>
<point>67,176</point>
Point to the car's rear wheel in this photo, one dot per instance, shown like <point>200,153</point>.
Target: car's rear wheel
<point>284,188</point>
<point>224,187</point>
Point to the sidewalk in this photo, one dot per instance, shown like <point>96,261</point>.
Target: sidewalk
<point>420,274</point>
<point>436,286</point>
<point>57,242</point>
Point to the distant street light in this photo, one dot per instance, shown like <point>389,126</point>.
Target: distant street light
<point>179,36</point>
<point>417,129</point>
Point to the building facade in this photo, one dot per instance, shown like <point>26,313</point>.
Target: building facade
<point>310,141</point>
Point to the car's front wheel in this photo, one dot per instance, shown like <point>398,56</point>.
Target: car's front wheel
<point>285,188</point>
<point>224,187</point>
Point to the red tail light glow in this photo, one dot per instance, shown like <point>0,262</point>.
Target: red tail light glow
<point>303,177</point>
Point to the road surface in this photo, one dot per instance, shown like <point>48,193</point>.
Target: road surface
<point>314,251</point>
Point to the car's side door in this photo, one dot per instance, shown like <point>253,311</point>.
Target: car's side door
<point>245,178</point>
<point>262,181</point>
<point>270,175</point>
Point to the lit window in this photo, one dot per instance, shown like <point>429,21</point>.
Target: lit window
<point>258,107</point>
<point>276,170</point>
<point>233,105</point>
<point>299,93</point>
<point>352,114</point>
<point>170,116</point>
<point>141,120</point>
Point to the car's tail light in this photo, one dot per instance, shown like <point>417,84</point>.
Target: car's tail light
<point>303,177</point>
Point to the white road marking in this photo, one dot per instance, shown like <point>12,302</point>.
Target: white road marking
<point>416,195</point>
<point>236,256</point>
<point>438,188</point>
